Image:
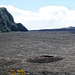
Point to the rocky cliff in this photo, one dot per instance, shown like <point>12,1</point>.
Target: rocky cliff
<point>7,23</point>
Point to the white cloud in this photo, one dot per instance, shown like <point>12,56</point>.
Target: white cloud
<point>46,18</point>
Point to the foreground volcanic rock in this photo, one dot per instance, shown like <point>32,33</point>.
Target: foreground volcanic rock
<point>7,22</point>
<point>45,59</point>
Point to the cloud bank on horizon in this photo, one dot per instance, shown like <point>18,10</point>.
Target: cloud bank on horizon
<point>47,17</point>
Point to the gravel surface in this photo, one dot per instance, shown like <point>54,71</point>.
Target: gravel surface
<point>17,47</point>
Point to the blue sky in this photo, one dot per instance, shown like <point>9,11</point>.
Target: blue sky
<point>34,5</point>
<point>42,14</point>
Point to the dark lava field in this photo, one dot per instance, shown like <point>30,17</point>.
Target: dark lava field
<point>17,47</point>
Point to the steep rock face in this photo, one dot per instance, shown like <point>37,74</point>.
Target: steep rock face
<point>7,22</point>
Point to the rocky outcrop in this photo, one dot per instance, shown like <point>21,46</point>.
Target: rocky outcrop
<point>7,23</point>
